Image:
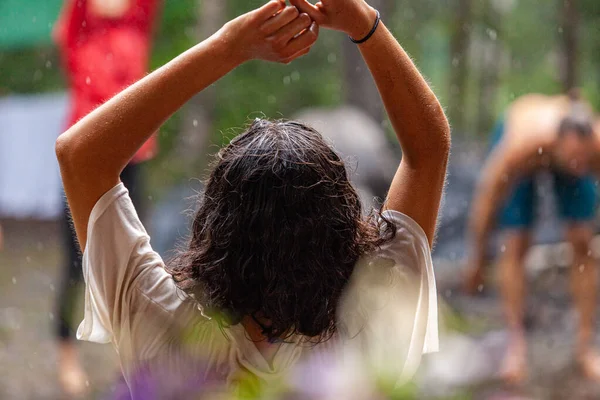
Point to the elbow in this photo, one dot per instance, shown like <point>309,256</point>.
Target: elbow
<point>440,147</point>
<point>445,132</point>
<point>60,148</point>
<point>63,150</point>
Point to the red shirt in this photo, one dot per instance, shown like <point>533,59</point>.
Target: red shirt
<point>103,55</point>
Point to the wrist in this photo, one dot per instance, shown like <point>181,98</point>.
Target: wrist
<point>227,43</point>
<point>364,23</point>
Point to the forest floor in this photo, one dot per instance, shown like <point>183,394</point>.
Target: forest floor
<point>467,367</point>
<point>474,340</point>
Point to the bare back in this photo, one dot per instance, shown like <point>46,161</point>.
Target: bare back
<point>532,121</point>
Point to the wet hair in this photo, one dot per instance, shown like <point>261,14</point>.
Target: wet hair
<point>277,234</point>
<point>579,120</point>
<point>582,128</point>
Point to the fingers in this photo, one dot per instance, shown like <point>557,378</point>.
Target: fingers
<point>280,20</point>
<point>307,8</point>
<point>302,44</point>
<point>284,35</point>
<point>269,10</point>
<point>297,55</point>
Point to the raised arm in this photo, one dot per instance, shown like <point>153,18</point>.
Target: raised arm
<point>94,151</point>
<point>504,166</point>
<point>415,113</point>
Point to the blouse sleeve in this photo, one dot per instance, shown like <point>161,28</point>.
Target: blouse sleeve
<point>388,313</point>
<point>129,297</point>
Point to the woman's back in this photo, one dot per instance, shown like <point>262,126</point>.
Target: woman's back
<point>161,331</point>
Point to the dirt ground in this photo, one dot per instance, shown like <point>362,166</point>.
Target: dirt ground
<point>472,349</point>
<point>29,276</point>
<point>465,369</point>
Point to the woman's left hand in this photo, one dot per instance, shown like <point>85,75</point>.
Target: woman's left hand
<point>273,32</point>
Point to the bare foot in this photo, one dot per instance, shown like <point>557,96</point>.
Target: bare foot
<point>589,361</point>
<point>72,378</point>
<point>473,282</point>
<point>514,366</point>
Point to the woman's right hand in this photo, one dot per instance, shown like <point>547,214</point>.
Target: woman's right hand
<point>273,32</point>
<point>353,17</point>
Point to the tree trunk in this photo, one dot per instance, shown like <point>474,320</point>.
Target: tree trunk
<point>490,68</point>
<point>569,37</point>
<point>459,72</point>
<point>359,88</point>
<point>199,112</point>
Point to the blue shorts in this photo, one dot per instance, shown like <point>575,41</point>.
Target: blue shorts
<point>575,196</point>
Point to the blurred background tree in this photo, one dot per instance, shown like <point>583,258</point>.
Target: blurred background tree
<point>478,56</point>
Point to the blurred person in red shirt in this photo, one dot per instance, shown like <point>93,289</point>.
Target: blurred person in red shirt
<point>105,46</point>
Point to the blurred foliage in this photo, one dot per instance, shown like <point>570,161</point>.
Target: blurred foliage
<point>528,32</point>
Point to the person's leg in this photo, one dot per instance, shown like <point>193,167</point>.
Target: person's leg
<point>516,219</point>
<point>71,374</point>
<point>584,278</point>
<point>512,282</point>
<point>577,205</point>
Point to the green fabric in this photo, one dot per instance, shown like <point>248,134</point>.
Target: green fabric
<point>27,23</point>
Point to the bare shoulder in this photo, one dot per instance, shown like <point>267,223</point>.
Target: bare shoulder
<point>532,121</point>
<point>520,155</point>
<point>535,99</point>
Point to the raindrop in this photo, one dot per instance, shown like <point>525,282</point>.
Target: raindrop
<point>271,99</point>
<point>14,280</point>
<point>448,293</point>
<point>87,80</point>
<point>37,75</point>
<point>480,288</point>
<point>573,164</point>
<point>195,122</point>
<point>581,268</point>
<point>540,151</point>
<point>28,259</point>
<point>51,316</point>
<point>492,34</point>
<point>52,288</point>
<point>48,64</point>
<point>295,76</point>
<point>286,80</point>
<point>560,29</point>
<point>502,249</point>
<point>34,19</point>
<point>40,246</point>
<point>331,58</point>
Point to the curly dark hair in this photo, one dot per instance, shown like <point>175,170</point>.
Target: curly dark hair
<point>278,232</point>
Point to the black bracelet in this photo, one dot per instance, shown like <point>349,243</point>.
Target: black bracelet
<point>370,33</point>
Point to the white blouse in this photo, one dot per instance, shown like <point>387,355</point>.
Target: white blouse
<point>387,316</point>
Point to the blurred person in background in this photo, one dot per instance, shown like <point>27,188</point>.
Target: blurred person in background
<point>105,46</point>
<point>539,133</point>
<point>279,232</point>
